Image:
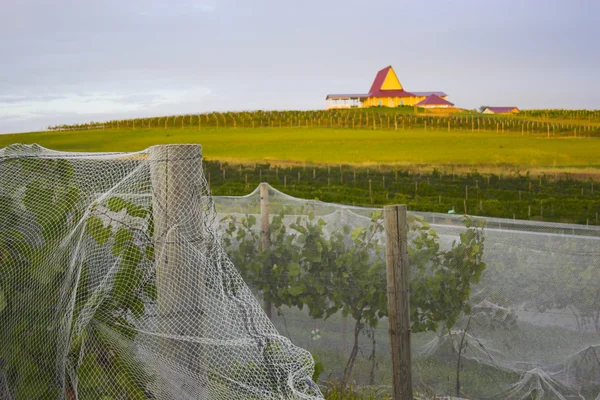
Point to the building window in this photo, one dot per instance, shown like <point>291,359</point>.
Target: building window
<point>401,102</point>
<point>379,103</point>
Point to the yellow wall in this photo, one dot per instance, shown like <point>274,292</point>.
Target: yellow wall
<point>391,81</point>
<point>392,101</point>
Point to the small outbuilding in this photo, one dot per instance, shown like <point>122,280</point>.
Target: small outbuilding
<point>434,101</point>
<point>501,110</point>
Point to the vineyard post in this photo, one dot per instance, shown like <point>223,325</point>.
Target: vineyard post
<point>396,227</point>
<point>265,236</point>
<point>175,175</point>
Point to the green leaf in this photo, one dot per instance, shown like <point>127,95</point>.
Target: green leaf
<point>356,232</point>
<point>122,238</point>
<point>2,300</point>
<point>376,215</point>
<point>297,289</point>
<point>293,269</point>
<point>116,204</point>
<point>97,230</point>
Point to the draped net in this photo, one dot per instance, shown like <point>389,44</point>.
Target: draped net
<point>121,277</point>
<point>529,328</point>
<point>113,285</point>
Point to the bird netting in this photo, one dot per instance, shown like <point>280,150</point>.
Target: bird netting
<point>525,325</point>
<point>113,285</point>
<point>122,278</point>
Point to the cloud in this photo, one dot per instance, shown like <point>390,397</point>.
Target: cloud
<point>22,108</point>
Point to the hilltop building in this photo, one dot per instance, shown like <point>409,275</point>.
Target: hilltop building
<point>387,91</point>
<point>501,110</point>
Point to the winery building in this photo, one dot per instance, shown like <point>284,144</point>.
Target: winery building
<point>387,91</point>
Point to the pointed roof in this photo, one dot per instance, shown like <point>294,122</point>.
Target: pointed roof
<point>386,84</point>
<point>434,100</point>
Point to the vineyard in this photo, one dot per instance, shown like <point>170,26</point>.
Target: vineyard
<point>517,196</point>
<point>372,118</point>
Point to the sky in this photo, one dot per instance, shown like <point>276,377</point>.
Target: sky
<point>70,61</point>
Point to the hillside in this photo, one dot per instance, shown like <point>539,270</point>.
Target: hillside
<point>359,137</point>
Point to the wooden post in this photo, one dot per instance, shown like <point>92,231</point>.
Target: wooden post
<point>176,178</point>
<point>396,227</point>
<point>265,236</point>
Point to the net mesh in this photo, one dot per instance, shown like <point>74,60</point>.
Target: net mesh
<point>121,277</point>
<point>113,285</point>
<point>527,328</point>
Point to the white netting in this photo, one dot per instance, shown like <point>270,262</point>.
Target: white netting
<point>116,283</point>
<point>113,285</point>
<point>529,329</point>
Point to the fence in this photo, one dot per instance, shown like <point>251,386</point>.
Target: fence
<point>121,277</point>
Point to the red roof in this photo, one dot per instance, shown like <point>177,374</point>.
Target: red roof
<point>434,100</point>
<point>376,91</point>
<point>502,109</point>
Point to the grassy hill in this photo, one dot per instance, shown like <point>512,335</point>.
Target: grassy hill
<point>338,145</point>
<point>536,168</point>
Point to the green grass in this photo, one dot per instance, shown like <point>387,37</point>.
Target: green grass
<point>349,146</point>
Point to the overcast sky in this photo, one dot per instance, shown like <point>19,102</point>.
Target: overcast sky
<point>81,60</point>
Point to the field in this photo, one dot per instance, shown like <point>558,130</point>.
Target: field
<point>540,165</point>
<point>409,147</point>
